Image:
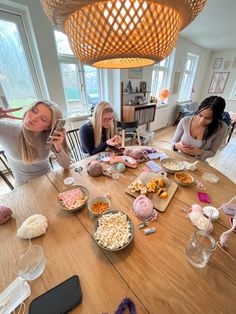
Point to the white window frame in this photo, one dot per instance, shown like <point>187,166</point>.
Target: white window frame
<point>167,69</point>
<point>18,20</point>
<point>186,87</point>
<point>67,58</point>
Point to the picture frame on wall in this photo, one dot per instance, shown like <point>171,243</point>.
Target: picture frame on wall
<point>217,63</point>
<point>233,92</point>
<point>135,73</point>
<point>143,86</point>
<point>218,82</point>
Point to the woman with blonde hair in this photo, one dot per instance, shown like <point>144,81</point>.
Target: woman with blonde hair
<point>99,133</point>
<point>26,145</point>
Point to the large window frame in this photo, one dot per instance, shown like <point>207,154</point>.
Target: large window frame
<point>188,78</point>
<point>161,75</point>
<point>17,17</point>
<point>84,103</point>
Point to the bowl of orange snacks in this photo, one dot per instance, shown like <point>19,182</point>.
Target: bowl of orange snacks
<point>183,178</point>
<point>99,205</point>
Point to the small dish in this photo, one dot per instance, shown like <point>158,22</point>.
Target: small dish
<point>73,198</point>
<point>183,178</point>
<point>103,202</point>
<point>171,165</point>
<point>110,237</point>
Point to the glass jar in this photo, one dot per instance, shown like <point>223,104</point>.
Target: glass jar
<point>199,248</point>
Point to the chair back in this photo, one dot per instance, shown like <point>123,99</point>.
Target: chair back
<point>127,125</point>
<point>74,144</point>
<point>128,130</point>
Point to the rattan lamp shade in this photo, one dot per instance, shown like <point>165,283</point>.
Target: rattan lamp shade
<point>122,34</point>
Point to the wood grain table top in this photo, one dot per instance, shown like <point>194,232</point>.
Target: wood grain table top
<point>152,270</point>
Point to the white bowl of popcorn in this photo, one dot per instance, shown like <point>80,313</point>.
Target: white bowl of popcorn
<point>113,230</point>
<point>171,165</point>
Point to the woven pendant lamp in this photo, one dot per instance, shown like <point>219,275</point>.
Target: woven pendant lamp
<point>122,34</point>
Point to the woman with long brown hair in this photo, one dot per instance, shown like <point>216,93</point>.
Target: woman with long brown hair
<point>99,133</point>
<point>26,144</point>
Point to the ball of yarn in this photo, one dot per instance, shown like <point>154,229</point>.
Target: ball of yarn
<point>95,169</point>
<point>143,208</point>
<point>33,226</point>
<point>5,214</point>
<point>137,154</point>
<point>120,167</point>
<point>196,208</point>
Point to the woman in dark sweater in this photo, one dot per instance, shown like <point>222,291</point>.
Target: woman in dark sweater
<point>99,133</point>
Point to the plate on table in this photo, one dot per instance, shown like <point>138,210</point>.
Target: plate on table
<point>169,187</point>
<point>113,231</point>
<point>73,198</point>
<point>172,165</point>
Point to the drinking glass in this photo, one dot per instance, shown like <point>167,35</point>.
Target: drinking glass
<point>30,265</point>
<point>199,248</point>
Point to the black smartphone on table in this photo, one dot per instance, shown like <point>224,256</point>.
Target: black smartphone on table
<point>58,300</point>
<point>59,124</point>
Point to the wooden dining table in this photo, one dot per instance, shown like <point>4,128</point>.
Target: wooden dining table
<point>152,270</point>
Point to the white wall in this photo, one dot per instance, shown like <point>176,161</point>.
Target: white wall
<point>227,55</point>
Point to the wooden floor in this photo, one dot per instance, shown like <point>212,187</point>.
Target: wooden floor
<point>224,160</point>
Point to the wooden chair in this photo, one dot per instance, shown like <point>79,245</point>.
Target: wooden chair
<point>74,144</point>
<point>3,159</point>
<point>128,130</point>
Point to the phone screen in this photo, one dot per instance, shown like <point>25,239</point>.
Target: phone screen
<point>59,299</point>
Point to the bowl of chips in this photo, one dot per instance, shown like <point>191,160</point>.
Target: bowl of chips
<point>99,205</point>
<point>73,198</point>
<point>171,165</point>
<point>183,178</point>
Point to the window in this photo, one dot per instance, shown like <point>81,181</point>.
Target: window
<point>161,75</point>
<point>81,82</point>
<point>18,80</point>
<point>187,82</point>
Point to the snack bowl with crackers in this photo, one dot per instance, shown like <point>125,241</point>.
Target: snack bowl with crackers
<point>73,198</point>
<point>183,178</point>
<point>171,165</point>
<point>99,205</point>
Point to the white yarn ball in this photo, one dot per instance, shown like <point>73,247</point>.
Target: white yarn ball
<point>34,226</point>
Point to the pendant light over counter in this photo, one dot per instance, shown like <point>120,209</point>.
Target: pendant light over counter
<point>122,34</point>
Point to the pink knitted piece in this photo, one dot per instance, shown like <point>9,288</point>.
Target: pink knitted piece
<point>196,208</point>
<point>143,208</point>
<point>5,214</point>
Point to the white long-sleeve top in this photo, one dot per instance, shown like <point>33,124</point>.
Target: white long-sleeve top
<point>10,142</point>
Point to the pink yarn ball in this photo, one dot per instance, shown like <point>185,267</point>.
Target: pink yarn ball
<point>196,208</point>
<point>143,208</point>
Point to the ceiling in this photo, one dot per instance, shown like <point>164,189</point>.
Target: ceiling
<point>215,27</point>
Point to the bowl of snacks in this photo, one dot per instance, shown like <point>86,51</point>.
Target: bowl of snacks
<point>113,230</point>
<point>73,198</point>
<point>183,178</point>
<point>171,165</point>
<point>99,205</point>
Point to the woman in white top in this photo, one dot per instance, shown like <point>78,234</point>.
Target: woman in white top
<point>202,134</point>
<point>26,145</point>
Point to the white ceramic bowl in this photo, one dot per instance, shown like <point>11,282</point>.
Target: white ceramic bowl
<point>96,200</point>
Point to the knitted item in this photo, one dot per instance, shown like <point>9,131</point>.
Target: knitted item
<point>5,214</point>
<point>127,302</point>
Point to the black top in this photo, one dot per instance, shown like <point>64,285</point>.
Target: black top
<point>86,134</point>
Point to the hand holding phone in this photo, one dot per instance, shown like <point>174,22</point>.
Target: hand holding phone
<point>59,124</point>
<point>59,299</point>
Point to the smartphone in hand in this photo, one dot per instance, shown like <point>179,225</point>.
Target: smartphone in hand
<point>59,124</point>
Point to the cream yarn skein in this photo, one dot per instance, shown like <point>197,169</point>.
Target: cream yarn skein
<point>34,226</point>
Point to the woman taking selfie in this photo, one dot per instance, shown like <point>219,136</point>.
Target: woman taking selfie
<point>202,134</point>
<point>98,134</point>
<point>26,144</point>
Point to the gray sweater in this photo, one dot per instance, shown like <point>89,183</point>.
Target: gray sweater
<point>209,147</point>
<point>10,142</point>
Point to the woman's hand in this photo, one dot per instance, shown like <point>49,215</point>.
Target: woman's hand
<point>115,140</point>
<point>4,113</point>
<point>57,139</point>
<point>188,149</point>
